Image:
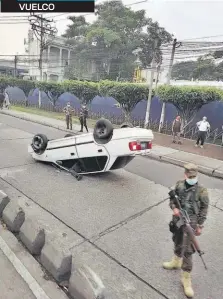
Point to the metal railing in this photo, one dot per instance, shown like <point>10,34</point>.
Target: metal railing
<point>190,132</point>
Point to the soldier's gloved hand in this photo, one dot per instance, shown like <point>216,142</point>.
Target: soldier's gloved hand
<point>176,212</point>
<point>198,231</point>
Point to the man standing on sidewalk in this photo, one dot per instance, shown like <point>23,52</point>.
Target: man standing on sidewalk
<point>2,98</point>
<point>176,129</point>
<point>203,127</point>
<point>68,112</point>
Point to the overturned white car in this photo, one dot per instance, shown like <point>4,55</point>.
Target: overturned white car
<point>103,150</point>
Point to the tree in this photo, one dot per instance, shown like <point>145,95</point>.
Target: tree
<point>128,95</point>
<point>77,28</point>
<point>110,41</point>
<point>154,32</point>
<point>184,70</point>
<point>53,90</point>
<point>204,68</point>
<point>218,54</point>
<point>84,91</point>
<point>188,100</point>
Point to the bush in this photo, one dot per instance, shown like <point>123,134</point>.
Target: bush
<point>5,82</point>
<point>188,99</point>
<point>83,90</point>
<point>128,95</point>
<point>53,90</point>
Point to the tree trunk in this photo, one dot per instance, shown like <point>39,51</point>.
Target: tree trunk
<point>127,115</point>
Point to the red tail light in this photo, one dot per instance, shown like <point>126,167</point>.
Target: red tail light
<point>149,145</point>
<point>135,146</point>
<point>139,146</point>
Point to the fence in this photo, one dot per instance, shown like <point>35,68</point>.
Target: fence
<point>190,132</point>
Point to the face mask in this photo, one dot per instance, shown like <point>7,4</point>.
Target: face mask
<point>192,181</point>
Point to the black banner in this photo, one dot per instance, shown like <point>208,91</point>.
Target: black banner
<point>47,6</point>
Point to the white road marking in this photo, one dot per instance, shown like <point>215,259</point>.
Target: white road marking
<point>37,291</point>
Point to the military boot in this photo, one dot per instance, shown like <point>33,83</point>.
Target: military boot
<point>186,282</point>
<point>175,263</point>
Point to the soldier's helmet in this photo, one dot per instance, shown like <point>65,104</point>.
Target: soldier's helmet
<point>191,169</point>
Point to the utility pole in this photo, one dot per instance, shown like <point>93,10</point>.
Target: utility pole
<point>157,77</point>
<point>15,65</point>
<point>41,28</point>
<point>153,66</point>
<point>41,47</point>
<point>176,45</point>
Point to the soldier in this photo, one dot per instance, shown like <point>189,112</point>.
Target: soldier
<point>194,199</point>
<point>68,111</point>
<point>83,118</point>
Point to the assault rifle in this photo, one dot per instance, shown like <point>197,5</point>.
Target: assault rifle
<point>185,220</point>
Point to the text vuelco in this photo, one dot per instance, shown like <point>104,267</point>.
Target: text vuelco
<point>37,6</point>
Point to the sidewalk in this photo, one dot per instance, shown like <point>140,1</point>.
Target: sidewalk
<point>208,166</point>
<point>163,149</point>
<point>209,150</point>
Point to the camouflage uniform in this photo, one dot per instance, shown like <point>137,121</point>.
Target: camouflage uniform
<point>68,111</point>
<point>195,200</point>
<point>83,118</point>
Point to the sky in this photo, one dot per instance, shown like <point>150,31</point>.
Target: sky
<point>186,19</point>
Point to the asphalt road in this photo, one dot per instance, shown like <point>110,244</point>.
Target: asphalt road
<point>118,220</point>
<point>8,274</point>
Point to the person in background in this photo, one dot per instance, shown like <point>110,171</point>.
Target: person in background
<point>203,127</point>
<point>68,112</point>
<point>83,118</point>
<point>7,103</point>
<point>2,98</point>
<point>176,129</point>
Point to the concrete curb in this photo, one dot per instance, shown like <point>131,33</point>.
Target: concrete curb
<point>202,169</point>
<point>80,281</point>
<point>39,122</point>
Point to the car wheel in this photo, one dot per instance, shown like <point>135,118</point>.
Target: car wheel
<point>68,135</point>
<point>126,125</point>
<point>39,143</point>
<point>103,131</point>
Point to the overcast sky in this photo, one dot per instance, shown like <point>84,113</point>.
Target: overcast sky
<point>186,19</point>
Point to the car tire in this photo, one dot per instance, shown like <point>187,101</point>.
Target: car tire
<point>103,131</point>
<point>39,143</point>
<point>68,135</point>
<point>126,125</point>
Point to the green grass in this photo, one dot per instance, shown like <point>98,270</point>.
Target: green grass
<point>50,114</point>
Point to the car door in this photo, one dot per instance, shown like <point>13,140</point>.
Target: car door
<point>93,156</point>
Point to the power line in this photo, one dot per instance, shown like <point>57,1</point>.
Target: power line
<point>202,37</point>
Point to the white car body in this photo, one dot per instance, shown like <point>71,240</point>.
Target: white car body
<point>117,153</point>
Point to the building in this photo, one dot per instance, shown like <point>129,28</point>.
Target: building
<point>8,67</point>
<point>58,56</point>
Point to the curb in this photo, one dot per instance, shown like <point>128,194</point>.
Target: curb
<point>65,274</point>
<point>202,169</point>
<point>40,122</point>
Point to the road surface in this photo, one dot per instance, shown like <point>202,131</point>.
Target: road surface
<point>117,223</point>
<point>12,285</point>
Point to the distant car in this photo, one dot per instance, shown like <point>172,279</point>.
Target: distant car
<point>103,150</point>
